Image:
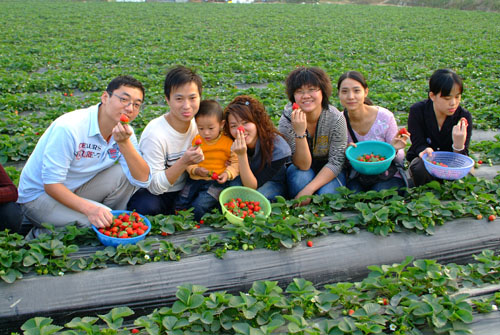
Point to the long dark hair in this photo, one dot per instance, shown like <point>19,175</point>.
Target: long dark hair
<point>355,75</point>
<point>252,110</point>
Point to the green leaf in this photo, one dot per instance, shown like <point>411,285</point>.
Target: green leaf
<point>121,312</point>
<point>347,325</point>
<point>422,309</point>
<point>464,315</point>
<point>207,317</point>
<point>11,275</point>
<point>169,322</point>
<point>179,307</point>
<point>371,308</point>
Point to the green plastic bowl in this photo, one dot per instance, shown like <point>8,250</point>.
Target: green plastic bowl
<point>371,147</point>
<point>245,194</point>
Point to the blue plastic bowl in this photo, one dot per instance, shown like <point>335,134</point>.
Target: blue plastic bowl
<point>370,147</point>
<point>114,241</point>
<point>458,165</point>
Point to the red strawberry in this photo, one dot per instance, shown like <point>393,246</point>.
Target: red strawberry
<point>202,221</point>
<point>479,162</point>
<point>240,128</point>
<point>197,226</point>
<point>309,243</point>
<point>385,302</point>
<point>295,106</point>
<point>351,312</point>
<point>135,331</point>
<point>492,217</point>
<point>197,142</point>
<point>124,118</point>
<point>214,176</point>
<point>403,131</point>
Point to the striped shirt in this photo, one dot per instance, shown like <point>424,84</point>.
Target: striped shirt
<point>329,142</point>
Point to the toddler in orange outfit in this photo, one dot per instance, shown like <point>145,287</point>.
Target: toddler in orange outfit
<point>209,178</point>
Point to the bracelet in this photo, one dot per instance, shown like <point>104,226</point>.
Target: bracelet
<point>301,136</point>
<point>453,147</point>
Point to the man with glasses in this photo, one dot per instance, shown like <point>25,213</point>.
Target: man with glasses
<point>73,175</point>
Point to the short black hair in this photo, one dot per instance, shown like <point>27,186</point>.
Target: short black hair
<point>442,81</point>
<point>178,76</point>
<point>313,76</point>
<point>210,108</point>
<point>128,81</point>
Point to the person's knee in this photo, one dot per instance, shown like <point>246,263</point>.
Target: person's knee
<point>145,203</point>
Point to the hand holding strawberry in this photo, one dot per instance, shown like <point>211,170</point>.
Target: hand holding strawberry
<point>403,131</point>
<point>197,142</point>
<point>459,134</point>
<point>239,146</point>
<point>298,118</point>
<point>399,141</point>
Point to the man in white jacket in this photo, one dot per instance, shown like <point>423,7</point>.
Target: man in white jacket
<point>72,175</point>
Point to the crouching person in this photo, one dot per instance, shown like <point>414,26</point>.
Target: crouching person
<point>73,175</point>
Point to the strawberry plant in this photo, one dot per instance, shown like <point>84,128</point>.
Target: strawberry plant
<point>412,297</point>
<point>38,84</point>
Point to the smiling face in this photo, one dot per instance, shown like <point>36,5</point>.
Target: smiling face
<point>209,127</point>
<point>249,129</point>
<point>446,105</point>
<point>184,102</point>
<point>124,100</point>
<point>309,99</point>
<point>352,94</point>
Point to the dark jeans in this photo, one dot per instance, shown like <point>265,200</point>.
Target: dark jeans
<point>419,173</point>
<point>202,195</point>
<point>146,203</point>
<point>271,189</point>
<point>11,217</point>
<point>357,186</point>
<point>298,179</point>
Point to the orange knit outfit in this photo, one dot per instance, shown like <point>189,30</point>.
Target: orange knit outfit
<point>217,152</point>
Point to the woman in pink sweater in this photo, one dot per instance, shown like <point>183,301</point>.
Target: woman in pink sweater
<point>368,122</point>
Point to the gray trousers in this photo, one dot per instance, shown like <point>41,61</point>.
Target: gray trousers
<point>110,188</point>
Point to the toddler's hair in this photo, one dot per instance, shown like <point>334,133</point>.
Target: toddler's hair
<point>210,107</point>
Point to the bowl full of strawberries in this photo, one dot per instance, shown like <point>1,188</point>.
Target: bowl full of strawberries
<point>370,157</point>
<point>239,202</point>
<point>128,227</point>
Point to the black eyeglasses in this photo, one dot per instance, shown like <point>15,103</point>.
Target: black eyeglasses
<point>127,101</point>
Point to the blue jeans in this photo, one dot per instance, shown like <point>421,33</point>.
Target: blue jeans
<point>298,179</point>
<point>270,189</point>
<point>147,203</point>
<point>356,186</point>
<point>202,195</point>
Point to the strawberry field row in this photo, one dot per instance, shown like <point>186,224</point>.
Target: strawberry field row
<point>409,298</point>
<point>57,56</point>
<point>383,213</point>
